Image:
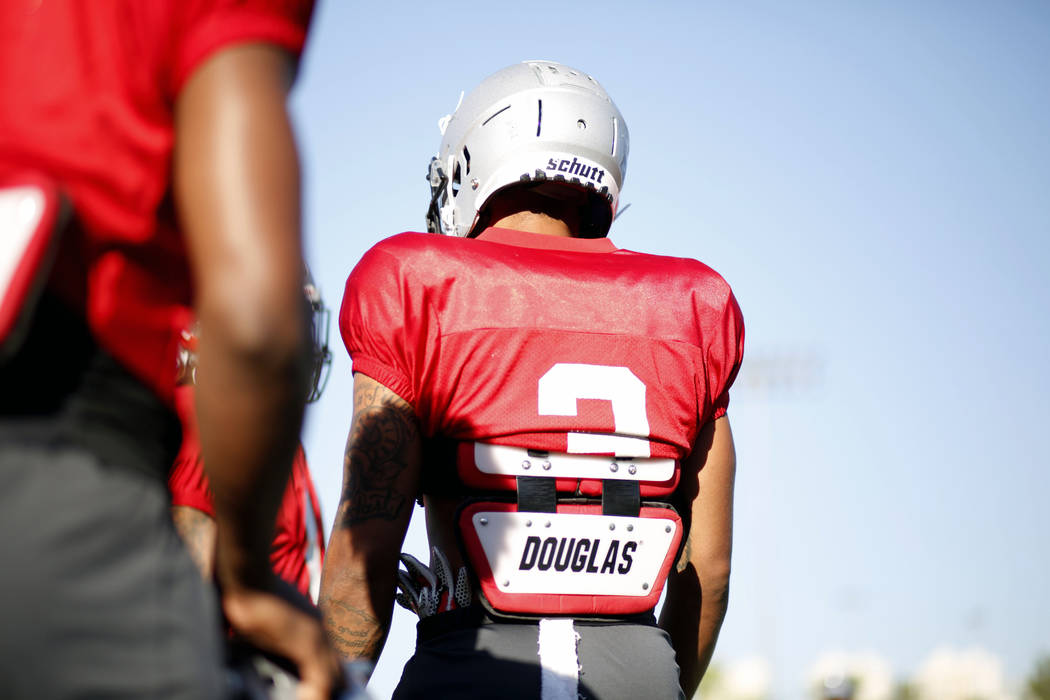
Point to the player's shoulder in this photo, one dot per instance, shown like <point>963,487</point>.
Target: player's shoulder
<point>407,251</point>
<point>410,243</point>
<point>697,275</point>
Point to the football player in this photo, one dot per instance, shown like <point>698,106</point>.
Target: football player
<point>163,125</point>
<point>559,406</point>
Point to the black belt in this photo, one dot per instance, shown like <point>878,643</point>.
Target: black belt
<point>476,615</point>
<point>62,389</point>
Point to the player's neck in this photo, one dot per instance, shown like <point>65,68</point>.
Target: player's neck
<point>535,222</point>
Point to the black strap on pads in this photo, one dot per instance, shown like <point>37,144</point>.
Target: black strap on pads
<point>621,497</point>
<point>537,494</point>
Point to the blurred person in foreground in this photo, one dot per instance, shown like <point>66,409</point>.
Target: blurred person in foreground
<point>559,406</point>
<point>297,551</point>
<point>163,125</point>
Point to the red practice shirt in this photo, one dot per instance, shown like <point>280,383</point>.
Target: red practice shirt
<point>298,533</point>
<point>87,95</point>
<point>530,340</point>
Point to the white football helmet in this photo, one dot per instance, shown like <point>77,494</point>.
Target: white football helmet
<point>534,122</point>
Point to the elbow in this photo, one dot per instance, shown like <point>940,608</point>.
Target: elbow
<point>714,574</point>
<point>258,328</point>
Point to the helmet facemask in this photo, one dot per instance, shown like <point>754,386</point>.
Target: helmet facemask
<point>319,319</point>
<point>320,355</point>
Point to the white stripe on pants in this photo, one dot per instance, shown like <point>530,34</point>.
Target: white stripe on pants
<point>559,664</point>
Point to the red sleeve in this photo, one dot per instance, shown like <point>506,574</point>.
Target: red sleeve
<point>384,324</point>
<point>186,481</point>
<point>313,515</point>
<point>204,26</point>
<point>288,552</point>
<point>724,355</point>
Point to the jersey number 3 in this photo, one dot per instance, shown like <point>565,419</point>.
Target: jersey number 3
<point>565,383</point>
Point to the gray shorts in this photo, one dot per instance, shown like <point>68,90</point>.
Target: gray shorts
<point>462,654</point>
<point>98,597</point>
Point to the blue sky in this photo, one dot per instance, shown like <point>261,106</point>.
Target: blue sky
<point>872,180</point>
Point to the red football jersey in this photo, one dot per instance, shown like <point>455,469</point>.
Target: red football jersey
<point>556,344</point>
<point>87,91</point>
<point>298,533</point>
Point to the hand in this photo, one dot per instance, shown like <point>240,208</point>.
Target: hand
<point>268,620</point>
<point>427,590</point>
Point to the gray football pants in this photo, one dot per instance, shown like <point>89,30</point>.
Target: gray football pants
<point>529,661</point>
<point>98,597</point>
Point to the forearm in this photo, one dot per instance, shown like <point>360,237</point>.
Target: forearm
<point>698,588</point>
<point>359,579</point>
<point>197,530</point>
<point>692,615</point>
<point>251,412</point>
<point>356,602</point>
<point>714,604</point>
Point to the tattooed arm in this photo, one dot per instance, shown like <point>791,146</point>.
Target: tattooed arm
<point>197,530</point>
<point>698,588</point>
<point>381,472</point>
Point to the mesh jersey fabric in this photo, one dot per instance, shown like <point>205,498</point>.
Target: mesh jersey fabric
<point>465,330</point>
